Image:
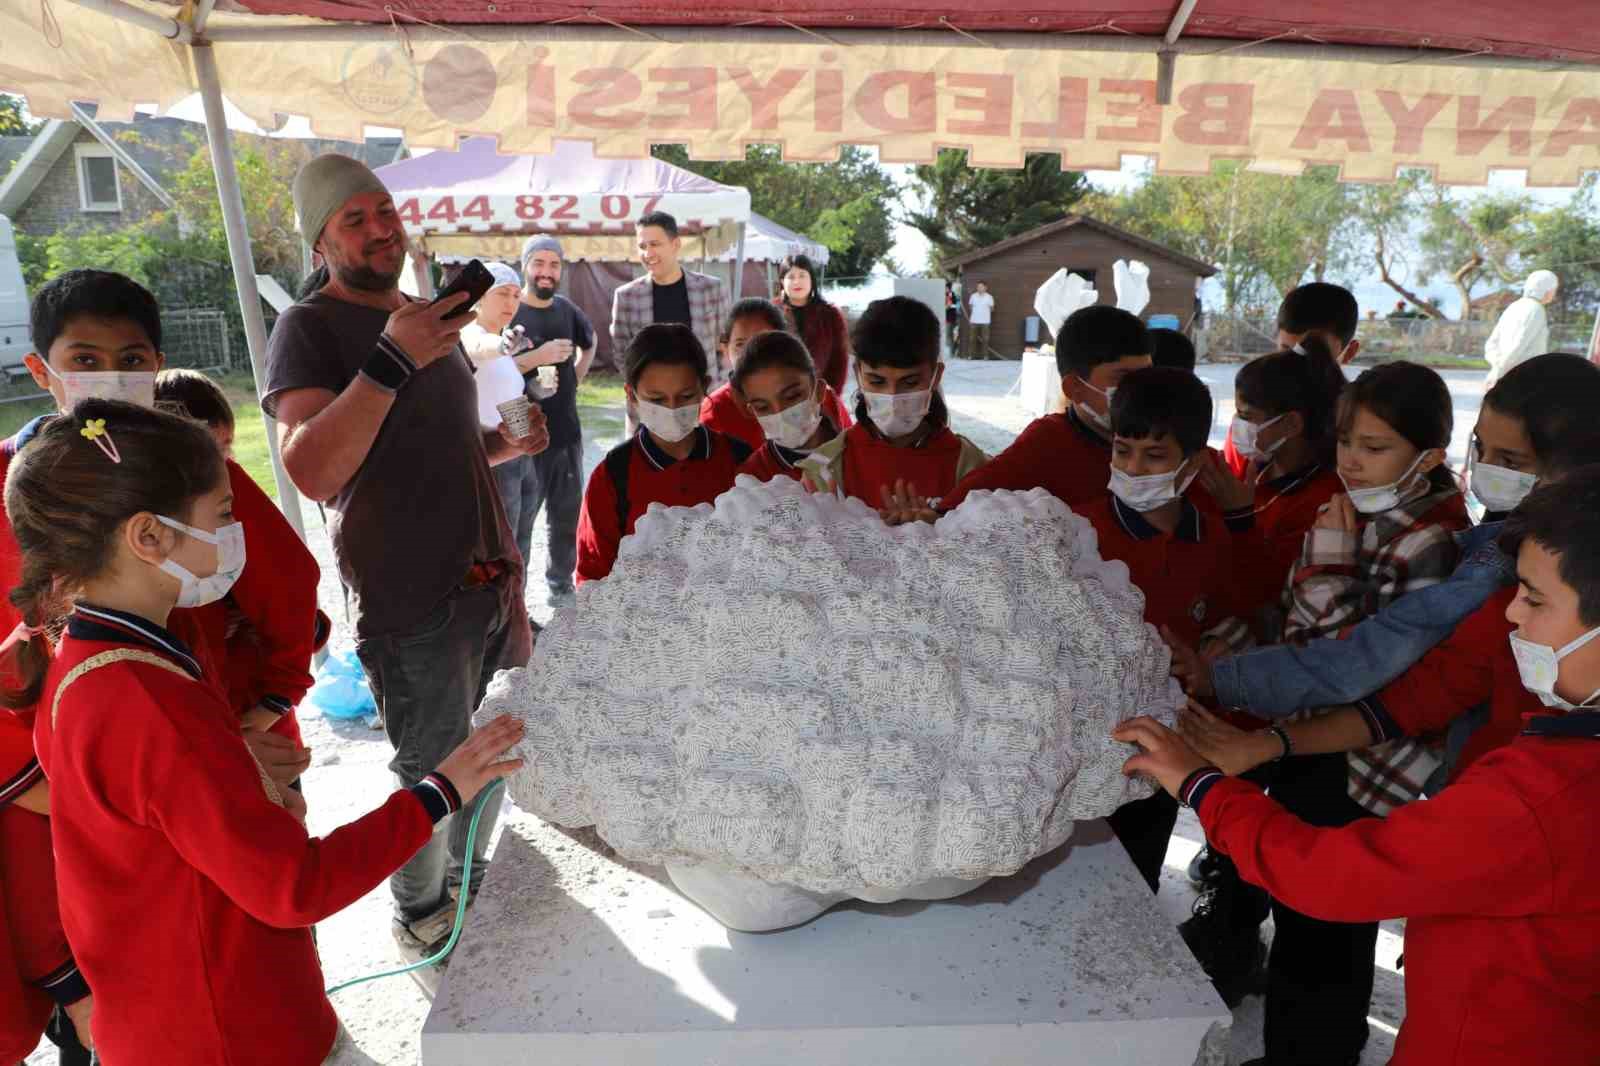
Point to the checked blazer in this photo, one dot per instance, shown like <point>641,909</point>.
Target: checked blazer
<point>633,308</point>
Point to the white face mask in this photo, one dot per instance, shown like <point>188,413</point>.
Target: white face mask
<point>1495,487</point>
<point>1101,420</point>
<point>1247,435</point>
<point>793,426</point>
<point>896,414</point>
<point>1382,497</point>
<point>1538,665</point>
<point>1151,491</point>
<point>132,386</point>
<point>671,424</point>
<point>199,591</point>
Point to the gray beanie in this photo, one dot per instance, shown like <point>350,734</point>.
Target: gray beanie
<point>326,184</point>
<point>540,242</point>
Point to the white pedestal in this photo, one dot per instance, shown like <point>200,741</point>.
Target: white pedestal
<point>1041,384</point>
<point>574,957</point>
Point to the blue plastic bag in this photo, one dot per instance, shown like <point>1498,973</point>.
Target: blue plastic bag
<point>341,690</point>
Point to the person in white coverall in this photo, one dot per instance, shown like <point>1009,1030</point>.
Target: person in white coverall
<point>1523,330</point>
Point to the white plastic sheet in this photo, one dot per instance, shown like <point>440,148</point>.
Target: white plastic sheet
<point>1063,294</point>
<point>1132,281</point>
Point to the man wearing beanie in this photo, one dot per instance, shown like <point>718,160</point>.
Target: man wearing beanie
<point>555,335</point>
<point>377,416</point>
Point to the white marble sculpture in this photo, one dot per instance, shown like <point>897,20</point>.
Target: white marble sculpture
<point>789,704</point>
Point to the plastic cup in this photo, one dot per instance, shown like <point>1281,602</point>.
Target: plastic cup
<point>514,413</point>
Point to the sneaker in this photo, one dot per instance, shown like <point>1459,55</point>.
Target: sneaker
<point>1205,869</point>
<point>1235,959</point>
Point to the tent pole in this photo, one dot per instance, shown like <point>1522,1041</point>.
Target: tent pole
<point>737,289</point>
<point>244,271</point>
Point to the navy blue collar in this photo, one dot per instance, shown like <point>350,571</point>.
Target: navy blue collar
<point>1584,724</point>
<point>1083,427</point>
<point>106,626</point>
<point>1291,483</point>
<point>789,458</point>
<point>1190,526</point>
<point>659,459</point>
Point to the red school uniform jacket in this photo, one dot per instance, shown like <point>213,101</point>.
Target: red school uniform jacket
<point>186,891</point>
<point>866,463</point>
<point>1495,877</point>
<point>36,966</point>
<point>653,476</point>
<point>1270,535</point>
<point>721,411</point>
<point>1186,575</point>
<point>277,596</point>
<point>1474,663</point>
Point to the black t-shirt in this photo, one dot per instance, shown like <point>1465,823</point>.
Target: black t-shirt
<point>671,302</point>
<point>561,321</point>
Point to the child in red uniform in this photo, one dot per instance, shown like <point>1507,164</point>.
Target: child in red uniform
<point>1068,454</point>
<point>186,886</point>
<point>1286,405</point>
<point>724,410</point>
<point>258,630</point>
<point>1495,875</point>
<point>1319,310</point>
<point>1389,533</point>
<point>672,460</point>
<point>902,433</point>
<point>777,382</point>
<point>1178,557</point>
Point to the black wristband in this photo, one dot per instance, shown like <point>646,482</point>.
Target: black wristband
<point>388,367</point>
<point>1283,738</point>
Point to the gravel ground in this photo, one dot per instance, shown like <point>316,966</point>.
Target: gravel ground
<point>349,775</point>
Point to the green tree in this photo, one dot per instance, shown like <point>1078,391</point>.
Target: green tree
<point>1385,217</point>
<point>1471,241</point>
<point>1566,239</point>
<point>14,120</point>
<point>843,205</point>
<point>1267,232</point>
<point>965,208</point>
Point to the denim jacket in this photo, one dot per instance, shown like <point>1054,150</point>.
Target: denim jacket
<point>1278,681</point>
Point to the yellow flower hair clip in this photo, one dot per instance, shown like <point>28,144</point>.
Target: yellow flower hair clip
<point>94,431</point>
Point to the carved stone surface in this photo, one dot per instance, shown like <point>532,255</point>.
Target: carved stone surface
<point>783,690</point>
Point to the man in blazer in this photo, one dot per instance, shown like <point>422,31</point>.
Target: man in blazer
<point>668,293</point>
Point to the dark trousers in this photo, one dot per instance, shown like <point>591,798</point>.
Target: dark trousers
<point>1319,974</point>
<point>428,681</point>
<point>1145,829</point>
<point>552,480</point>
<point>62,1034</point>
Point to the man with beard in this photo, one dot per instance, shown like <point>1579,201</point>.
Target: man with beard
<point>558,337</point>
<point>377,416</point>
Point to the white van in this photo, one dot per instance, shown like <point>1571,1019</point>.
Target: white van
<point>14,338</point>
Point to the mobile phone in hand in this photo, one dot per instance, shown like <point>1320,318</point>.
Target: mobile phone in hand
<point>474,280</point>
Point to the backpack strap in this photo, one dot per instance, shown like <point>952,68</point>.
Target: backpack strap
<point>617,462</point>
<point>134,655</point>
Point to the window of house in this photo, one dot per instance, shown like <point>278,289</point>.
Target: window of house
<point>98,188</point>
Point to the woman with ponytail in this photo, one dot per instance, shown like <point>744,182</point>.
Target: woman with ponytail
<point>187,882</point>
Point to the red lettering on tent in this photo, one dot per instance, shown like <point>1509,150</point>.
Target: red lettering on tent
<point>921,107</point>
<point>764,99</point>
<point>1514,117</point>
<point>699,98</point>
<point>1411,120</point>
<point>1578,127</point>
<point>829,101</point>
<point>1334,116</point>
<point>1215,113</point>
<point>611,87</point>
<point>1142,109</point>
<point>1072,107</point>
<point>541,95</point>
<point>994,101</point>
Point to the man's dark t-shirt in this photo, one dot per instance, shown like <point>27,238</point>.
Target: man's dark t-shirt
<point>671,302</point>
<point>561,321</point>
<point>423,507</point>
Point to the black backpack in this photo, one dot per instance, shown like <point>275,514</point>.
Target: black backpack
<point>618,460</point>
